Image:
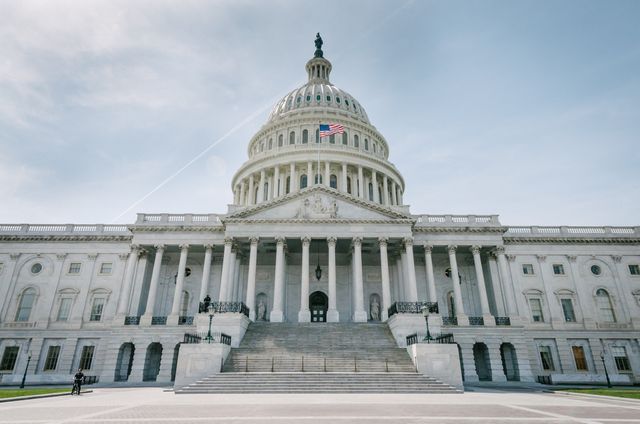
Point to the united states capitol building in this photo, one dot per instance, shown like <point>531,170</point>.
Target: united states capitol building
<point>319,238</point>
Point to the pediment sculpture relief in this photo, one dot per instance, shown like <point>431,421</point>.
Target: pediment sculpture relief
<point>317,207</point>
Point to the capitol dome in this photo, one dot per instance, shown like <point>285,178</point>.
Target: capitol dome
<point>288,155</point>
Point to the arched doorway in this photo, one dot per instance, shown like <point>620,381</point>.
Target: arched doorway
<point>481,359</point>
<point>509,362</point>
<point>124,362</point>
<point>152,362</point>
<point>318,304</point>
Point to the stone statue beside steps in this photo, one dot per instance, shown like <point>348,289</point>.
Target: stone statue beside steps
<point>261,311</point>
<point>374,309</point>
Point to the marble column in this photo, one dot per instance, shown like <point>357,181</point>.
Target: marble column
<point>394,194</point>
<point>231,279</point>
<point>261,187</point>
<point>411,269</point>
<point>310,177</point>
<point>332,312</point>
<point>385,190</point>
<point>177,293</point>
<point>359,315</point>
<point>304,315</point>
<point>251,278</point>
<point>242,194</point>
<point>457,293</point>
<point>482,288</point>
<point>276,182</point>
<point>384,272</point>
<point>123,304</point>
<point>327,174</point>
<point>226,265</point>
<point>374,182</point>
<point>277,314</point>
<point>507,284</point>
<point>153,287</point>
<point>293,185</point>
<point>344,178</point>
<point>251,191</point>
<point>360,183</point>
<point>402,297</point>
<point>431,281</point>
<point>206,271</point>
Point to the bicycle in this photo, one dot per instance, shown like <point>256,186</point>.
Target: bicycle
<point>76,388</point>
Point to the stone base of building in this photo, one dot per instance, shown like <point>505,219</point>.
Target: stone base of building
<point>197,361</point>
<point>598,379</point>
<point>440,361</point>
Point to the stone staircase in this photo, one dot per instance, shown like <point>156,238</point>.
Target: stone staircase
<point>318,358</point>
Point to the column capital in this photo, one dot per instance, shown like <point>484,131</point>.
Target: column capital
<point>254,240</point>
<point>616,258</point>
<point>134,248</point>
<point>428,248</point>
<point>280,240</point>
<point>90,256</point>
<point>382,241</point>
<point>331,241</point>
<point>511,258</point>
<point>124,256</point>
<point>357,241</point>
<point>452,248</point>
<point>184,246</point>
<point>475,249</point>
<point>306,241</point>
<point>572,258</point>
<point>541,258</point>
<point>208,246</point>
<point>407,241</point>
<point>160,247</point>
<point>500,250</point>
<point>228,241</point>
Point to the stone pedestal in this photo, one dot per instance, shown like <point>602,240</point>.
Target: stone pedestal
<point>403,325</point>
<point>197,361</point>
<point>439,361</point>
<point>233,324</point>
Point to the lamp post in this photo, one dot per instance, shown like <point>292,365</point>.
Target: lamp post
<point>24,376</point>
<point>425,314</point>
<point>606,373</point>
<point>209,337</point>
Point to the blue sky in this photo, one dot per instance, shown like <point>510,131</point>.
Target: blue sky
<point>526,109</point>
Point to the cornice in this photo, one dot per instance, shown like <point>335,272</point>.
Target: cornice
<point>175,228</point>
<point>570,240</point>
<point>318,221</point>
<point>427,229</point>
<point>59,238</point>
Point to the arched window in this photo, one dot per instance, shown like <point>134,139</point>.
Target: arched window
<point>270,143</point>
<point>374,148</point>
<point>349,185</point>
<point>305,136</point>
<point>371,192</point>
<point>332,139</point>
<point>280,140</point>
<point>333,181</point>
<point>265,191</point>
<point>262,147</point>
<point>25,304</point>
<point>318,179</point>
<point>366,144</point>
<point>317,135</point>
<point>345,138</point>
<point>605,306</point>
<point>356,141</point>
<point>303,181</point>
<point>292,137</point>
<point>288,185</point>
<point>184,305</point>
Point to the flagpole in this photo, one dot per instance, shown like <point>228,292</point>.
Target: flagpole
<point>319,143</point>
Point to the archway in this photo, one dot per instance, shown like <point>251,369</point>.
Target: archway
<point>152,362</point>
<point>124,362</point>
<point>509,362</point>
<point>318,304</point>
<point>481,359</point>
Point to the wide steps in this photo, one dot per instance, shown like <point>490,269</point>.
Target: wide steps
<point>318,383</point>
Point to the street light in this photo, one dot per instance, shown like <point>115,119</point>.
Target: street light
<point>24,376</point>
<point>606,373</point>
<point>209,337</point>
<point>425,314</point>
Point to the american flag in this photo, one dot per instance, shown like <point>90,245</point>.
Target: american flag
<point>328,129</point>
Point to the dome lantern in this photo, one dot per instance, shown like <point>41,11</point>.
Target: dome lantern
<point>318,68</point>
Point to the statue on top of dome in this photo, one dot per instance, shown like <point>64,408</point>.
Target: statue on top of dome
<point>318,44</point>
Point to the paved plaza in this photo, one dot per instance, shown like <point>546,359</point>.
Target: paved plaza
<point>151,405</point>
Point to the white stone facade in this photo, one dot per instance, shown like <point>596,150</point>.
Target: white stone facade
<point>521,302</point>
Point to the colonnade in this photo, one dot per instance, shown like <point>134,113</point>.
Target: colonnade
<point>359,181</point>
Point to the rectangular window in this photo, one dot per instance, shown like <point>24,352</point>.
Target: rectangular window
<point>619,354</point>
<point>52,358</point>
<point>558,269</point>
<point>580,358</point>
<point>546,358</point>
<point>567,310</point>
<point>536,310</point>
<point>96,309</point>
<point>9,358</point>
<point>633,269</point>
<point>65,308</point>
<point>74,268</point>
<point>527,269</point>
<point>106,268</point>
<point>86,358</point>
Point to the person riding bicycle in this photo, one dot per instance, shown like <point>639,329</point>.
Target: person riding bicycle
<point>78,379</point>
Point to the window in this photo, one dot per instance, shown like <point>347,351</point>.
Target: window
<point>318,98</point>
<point>328,98</point>
<point>349,185</point>
<point>292,137</point>
<point>303,181</point>
<point>64,309</point>
<point>546,358</point>
<point>318,179</point>
<point>604,305</point>
<point>96,309</point>
<point>280,139</point>
<point>106,268</point>
<point>346,102</point>
<point>288,185</point>
<point>27,298</point>
<point>317,136</point>
<point>633,269</point>
<point>371,192</point>
<point>332,139</point>
<point>567,310</point>
<point>36,268</point>
<point>345,141</point>
<point>596,270</point>
<point>579,358</point>
<point>9,358</point>
<point>270,143</point>
<point>52,358</point>
<point>356,141</point>
<point>558,269</point>
<point>536,310</point>
<point>333,181</point>
<point>337,99</point>
<point>366,144</point>
<point>527,269</point>
<point>265,191</point>
<point>375,149</point>
<point>86,357</point>
<point>308,98</point>
<point>305,136</point>
<point>619,354</point>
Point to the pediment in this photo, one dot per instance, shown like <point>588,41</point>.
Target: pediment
<point>318,203</point>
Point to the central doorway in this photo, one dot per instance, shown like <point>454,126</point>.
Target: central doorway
<point>318,303</point>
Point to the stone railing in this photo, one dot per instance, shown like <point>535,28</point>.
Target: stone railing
<point>178,219</point>
<point>564,231</point>
<point>458,220</point>
<point>63,229</point>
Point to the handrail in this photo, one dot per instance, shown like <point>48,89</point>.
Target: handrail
<point>412,308</point>
<point>205,337</point>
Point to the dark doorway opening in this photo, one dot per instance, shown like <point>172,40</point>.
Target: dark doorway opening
<point>318,303</point>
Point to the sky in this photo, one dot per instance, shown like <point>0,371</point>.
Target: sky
<point>526,109</point>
